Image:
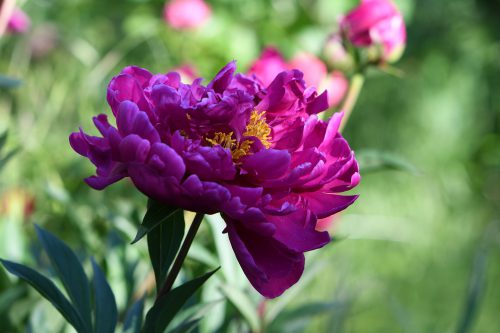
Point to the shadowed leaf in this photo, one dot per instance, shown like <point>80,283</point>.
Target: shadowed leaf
<point>50,292</point>
<point>70,272</point>
<point>162,313</point>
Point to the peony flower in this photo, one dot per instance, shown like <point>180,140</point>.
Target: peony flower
<point>258,155</point>
<point>271,63</point>
<point>186,14</point>
<point>19,22</point>
<point>376,23</point>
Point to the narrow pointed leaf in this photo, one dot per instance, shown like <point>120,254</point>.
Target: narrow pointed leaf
<point>3,139</point>
<point>70,272</point>
<point>49,291</point>
<point>133,320</point>
<point>163,244</point>
<point>156,214</point>
<point>162,313</point>
<point>106,314</point>
<point>7,157</point>
<point>244,305</point>
<point>187,326</point>
<point>191,314</point>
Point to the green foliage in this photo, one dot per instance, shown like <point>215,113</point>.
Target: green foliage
<point>133,320</point>
<point>156,215</point>
<point>407,260</point>
<point>105,314</point>
<point>164,242</point>
<point>49,291</point>
<point>166,307</point>
<point>70,272</point>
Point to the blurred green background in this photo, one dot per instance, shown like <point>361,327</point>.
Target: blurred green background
<point>418,252</point>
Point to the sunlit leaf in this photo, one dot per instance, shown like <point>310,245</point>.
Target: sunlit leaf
<point>297,319</point>
<point>189,318</point>
<point>311,271</point>
<point>244,305</point>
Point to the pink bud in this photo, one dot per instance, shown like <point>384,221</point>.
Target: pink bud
<point>376,23</point>
<point>336,84</point>
<point>268,65</point>
<point>313,68</point>
<point>19,22</point>
<point>186,14</point>
<point>336,54</point>
<point>187,72</point>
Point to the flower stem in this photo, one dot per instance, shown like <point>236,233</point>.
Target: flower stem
<point>179,260</point>
<point>352,96</point>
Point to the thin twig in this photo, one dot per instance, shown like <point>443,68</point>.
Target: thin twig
<point>352,96</point>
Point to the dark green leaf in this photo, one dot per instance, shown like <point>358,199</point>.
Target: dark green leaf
<point>372,160</point>
<point>7,157</point>
<point>106,314</point>
<point>133,319</point>
<point>49,291</point>
<point>3,139</point>
<point>163,244</point>
<point>156,214</point>
<point>164,310</point>
<point>475,292</point>
<point>70,272</point>
<point>8,82</point>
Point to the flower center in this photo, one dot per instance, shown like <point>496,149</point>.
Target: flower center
<point>256,127</point>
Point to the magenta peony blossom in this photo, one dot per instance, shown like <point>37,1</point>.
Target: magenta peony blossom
<point>186,14</point>
<point>19,22</point>
<point>258,155</point>
<point>379,23</point>
<point>271,63</point>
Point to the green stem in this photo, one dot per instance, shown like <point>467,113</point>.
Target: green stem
<point>179,260</point>
<point>352,96</point>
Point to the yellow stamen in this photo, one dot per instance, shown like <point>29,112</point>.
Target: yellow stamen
<point>256,127</point>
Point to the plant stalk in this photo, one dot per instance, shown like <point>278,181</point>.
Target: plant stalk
<point>181,256</point>
<point>355,87</point>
